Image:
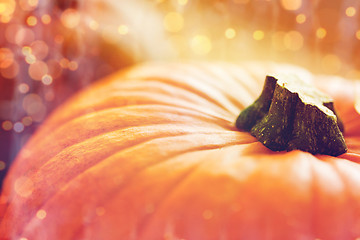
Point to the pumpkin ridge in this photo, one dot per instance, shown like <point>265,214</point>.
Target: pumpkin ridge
<point>318,227</point>
<point>334,163</point>
<point>52,122</point>
<point>131,177</point>
<point>152,84</point>
<point>201,116</point>
<point>249,81</point>
<point>144,223</point>
<point>150,137</point>
<point>232,98</point>
<point>170,194</point>
<point>140,225</point>
<point>183,76</point>
<point>164,109</point>
<point>155,99</point>
<point>218,102</point>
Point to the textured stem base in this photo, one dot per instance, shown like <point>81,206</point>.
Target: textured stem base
<point>291,114</point>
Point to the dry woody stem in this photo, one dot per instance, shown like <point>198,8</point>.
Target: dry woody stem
<point>291,114</point>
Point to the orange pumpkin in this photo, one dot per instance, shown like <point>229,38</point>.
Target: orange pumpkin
<point>152,153</point>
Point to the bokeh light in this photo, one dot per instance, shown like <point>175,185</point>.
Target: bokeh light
<point>291,5</point>
<point>300,18</point>
<point>31,21</point>
<point>19,127</point>
<point>122,29</point>
<point>321,33</point>
<point>23,88</point>
<point>173,22</point>
<point>230,33</point>
<point>2,165</point>
<point>7,125</point>
<point>70,18</point>
<point>6,58</point>
<point>41,214</point>
<point>182,2</point>
<point>350,11</point>
<point>46,19</point>
<point>24,187</point>
<point>201,44</point>
<point>7,8</point>
<point>10,71</point>
<point>258,35</point>
<point>38,70</point>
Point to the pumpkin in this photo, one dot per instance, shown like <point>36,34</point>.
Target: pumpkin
<point>152,153</point>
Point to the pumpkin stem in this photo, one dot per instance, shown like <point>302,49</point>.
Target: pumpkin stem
<point>291,114</point>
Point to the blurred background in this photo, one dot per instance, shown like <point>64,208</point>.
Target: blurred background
<point>51,49</point>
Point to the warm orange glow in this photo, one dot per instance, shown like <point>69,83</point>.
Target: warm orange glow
<point>70,18</point>
<point>11,71</point>
<point>258,35</point>
<point>291,5</point>
<point>6,57</point>
<point>28,5</point>
<point>301,18</point>
<point>33,3</point>
<point>321,33</point>
<point>47,79</point>
<point>182,2</point>
<point>230,33</point>
<point>358,34</point>
<point>37,70</point>
<point>7,8</point>
<point>46,19</point>
<point>64,63</point>
<point>7,125</point>
<point>27,121</point>
<point>123,29</point>
<point>350,11</point>
<point>24,187</point>
<point>23,88</point>
<point>34,107</point>
<point>41,214</point>
<point>73,65</point>
<point>93,25</point>
<point>173,22</point>
<point>201,44</point>
<point>39,49</point>
<point>31,21</point>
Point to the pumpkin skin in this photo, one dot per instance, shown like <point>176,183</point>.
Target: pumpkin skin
<point>152,153</point>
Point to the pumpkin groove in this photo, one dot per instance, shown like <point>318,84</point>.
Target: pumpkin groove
<point>117,156</point>
<point>177,115</point>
